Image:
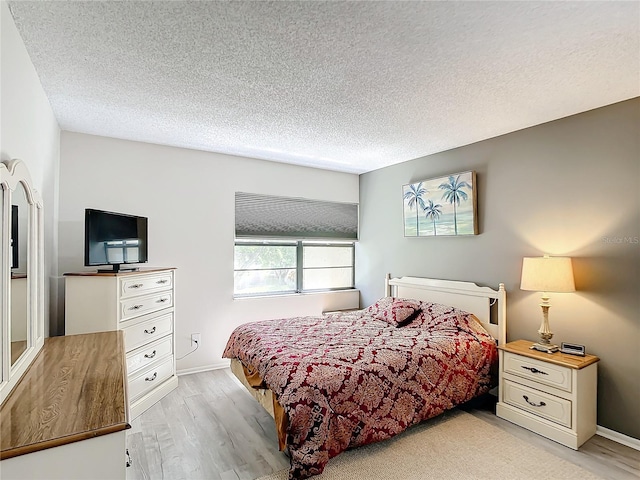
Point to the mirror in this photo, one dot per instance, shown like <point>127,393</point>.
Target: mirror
<point>19,259</point>
<point>22,274</point>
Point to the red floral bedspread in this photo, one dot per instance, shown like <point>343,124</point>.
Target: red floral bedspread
<point>348,379</point>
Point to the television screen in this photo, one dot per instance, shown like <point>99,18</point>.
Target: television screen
<point>114,238</point>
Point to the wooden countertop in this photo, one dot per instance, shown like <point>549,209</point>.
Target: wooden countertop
<point>522,347</point>
<point>95,273</point>
<point>75,389</point>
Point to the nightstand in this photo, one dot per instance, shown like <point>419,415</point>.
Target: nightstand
<point>552,394</point>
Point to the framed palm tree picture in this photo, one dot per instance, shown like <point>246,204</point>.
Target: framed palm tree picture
<point>443,206</point>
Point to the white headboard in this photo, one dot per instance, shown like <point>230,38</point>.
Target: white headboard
<point>463,295</point>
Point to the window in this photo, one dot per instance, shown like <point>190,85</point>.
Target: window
<point>327,266</point>
<point>292,245</point>
<point>280,267</point>
<point>263,268</point>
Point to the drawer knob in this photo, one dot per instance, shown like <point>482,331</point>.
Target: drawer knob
<point>534,370</point>
<point>150,355</point>
<point>135,285</point>
<point>153,330</point>
<point>162,282</point>
<point>151,378</point>
<point>162,300</point>
<point>135,307</point>
<point>533,404</point>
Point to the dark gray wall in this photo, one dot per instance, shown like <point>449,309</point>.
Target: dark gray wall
<point>568,187</point>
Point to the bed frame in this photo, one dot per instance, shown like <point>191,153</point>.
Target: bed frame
<point>487,304</point>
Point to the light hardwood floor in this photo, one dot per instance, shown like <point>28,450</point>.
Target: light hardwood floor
<point>211,428</point>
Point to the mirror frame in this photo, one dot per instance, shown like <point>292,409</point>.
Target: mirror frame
<point>12,174</point>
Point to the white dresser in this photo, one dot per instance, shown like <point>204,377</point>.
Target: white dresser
<point>140,303</point>
<point>554,395</point>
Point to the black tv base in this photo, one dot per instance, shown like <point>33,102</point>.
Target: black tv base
<point>117,268</point>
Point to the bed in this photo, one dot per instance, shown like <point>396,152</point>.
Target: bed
<point>348,379</point>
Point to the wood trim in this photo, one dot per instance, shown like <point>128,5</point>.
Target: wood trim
<point>57,442</point>
<point>95,273</point>
<point>74,390</point>
<point>522,347</point>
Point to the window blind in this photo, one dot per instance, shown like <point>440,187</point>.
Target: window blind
<point>268,216</point>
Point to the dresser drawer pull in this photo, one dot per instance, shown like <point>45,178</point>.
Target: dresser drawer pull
<point>533,404</point>
<point>153,330</point>
<point>151,378</point>
<point>162,300</point>
<point>162,282</point>
<point>128,462</point>
<point>534,370</point>
<point>136,285</point>
<point>150,355</point>
<point>135,307</point>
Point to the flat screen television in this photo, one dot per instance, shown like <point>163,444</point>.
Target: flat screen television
<point>114,239</point>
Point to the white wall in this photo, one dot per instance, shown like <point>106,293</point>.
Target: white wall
<point>30,132</point>
<point>188,196</point>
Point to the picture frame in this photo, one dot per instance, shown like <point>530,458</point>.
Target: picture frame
<point>441,206</point>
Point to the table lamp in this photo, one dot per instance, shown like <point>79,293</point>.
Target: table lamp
<point>546,274</point>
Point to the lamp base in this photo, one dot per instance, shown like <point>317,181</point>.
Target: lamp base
<point>541,347</point>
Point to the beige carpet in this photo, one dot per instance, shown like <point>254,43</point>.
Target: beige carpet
<point>455,445</point>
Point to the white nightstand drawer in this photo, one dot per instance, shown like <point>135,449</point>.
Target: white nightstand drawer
<point>142,333</point>
<point>541,372</point>
<point>539,403</point>
<point>130,287</point>
<point>148,354</point>
<point>134,307</point>
<point>150,378</point>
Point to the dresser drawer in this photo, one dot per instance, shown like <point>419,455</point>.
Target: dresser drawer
<point>538,371</point>
<point>150,378</point>
<point>144,332</point>
<point>130,287</point>
<point>136,306</point>
<point>147,354</point>
<point>539,403</point>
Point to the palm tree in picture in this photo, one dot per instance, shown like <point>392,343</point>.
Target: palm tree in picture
<point>433,212</point>
<point>413,196</point>
<point>454,193</point>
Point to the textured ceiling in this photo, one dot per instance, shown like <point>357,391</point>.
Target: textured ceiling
<point>348,86</point>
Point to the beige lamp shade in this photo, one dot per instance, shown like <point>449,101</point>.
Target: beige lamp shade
<point>547,274</point>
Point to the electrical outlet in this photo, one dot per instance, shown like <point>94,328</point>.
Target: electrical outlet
<point>195,339</point>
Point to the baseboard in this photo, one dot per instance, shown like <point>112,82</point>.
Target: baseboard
<point>203,368</point>
<point>618,437</point>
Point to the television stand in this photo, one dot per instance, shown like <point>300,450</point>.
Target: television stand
<point>117,268</point>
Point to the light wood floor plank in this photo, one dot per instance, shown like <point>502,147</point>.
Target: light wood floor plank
<point>210,428</point>
<point>230,475</point>
<point>198,459</point>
